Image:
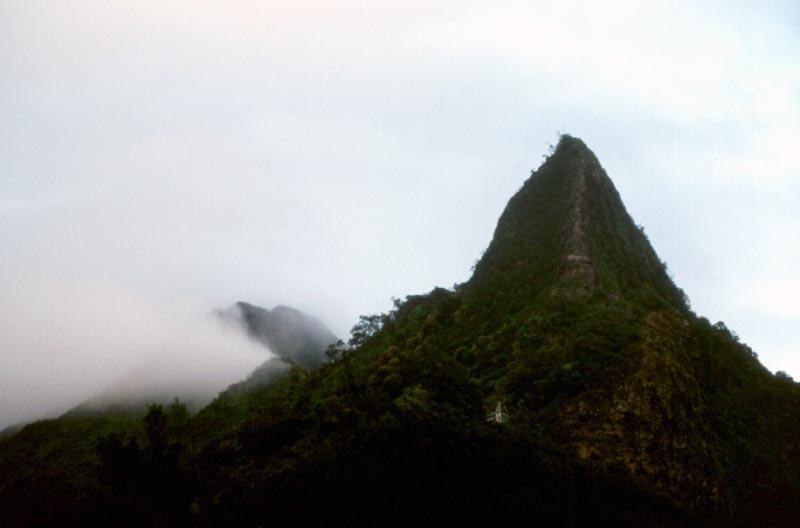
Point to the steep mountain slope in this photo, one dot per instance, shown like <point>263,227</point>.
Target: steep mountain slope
<point>677,404</point>
<point>620,407</point>
<point>600,320</point>
<point>567,228</point>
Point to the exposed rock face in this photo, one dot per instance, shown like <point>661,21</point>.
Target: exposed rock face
<point>577,264</point>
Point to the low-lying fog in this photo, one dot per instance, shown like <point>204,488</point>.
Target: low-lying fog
<point>64,343</point>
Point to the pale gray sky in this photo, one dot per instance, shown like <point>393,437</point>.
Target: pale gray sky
<point>330,155</point>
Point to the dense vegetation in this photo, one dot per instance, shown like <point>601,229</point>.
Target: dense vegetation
<point>621,407</point>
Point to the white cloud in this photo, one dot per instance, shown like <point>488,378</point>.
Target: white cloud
<point>775,298</point>
<point>65,341</point>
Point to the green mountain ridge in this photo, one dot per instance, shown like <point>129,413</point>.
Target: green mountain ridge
<point>621,407</point>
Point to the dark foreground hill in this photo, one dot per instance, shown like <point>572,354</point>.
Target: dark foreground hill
<point>51,470</point>
<point>567,383</point>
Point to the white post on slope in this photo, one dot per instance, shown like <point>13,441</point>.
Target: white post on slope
<point>498,413</point>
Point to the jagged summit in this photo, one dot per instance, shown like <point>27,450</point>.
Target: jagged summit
<point>567,230</point>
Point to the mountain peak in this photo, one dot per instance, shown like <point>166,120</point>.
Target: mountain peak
<point>566,230</point>
<point>288,332</point>
<point>575,148</point>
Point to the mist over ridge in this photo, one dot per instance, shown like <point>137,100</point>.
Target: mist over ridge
<point>64,343</point>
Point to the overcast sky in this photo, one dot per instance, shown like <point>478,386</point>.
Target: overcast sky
<point>331,155</point>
